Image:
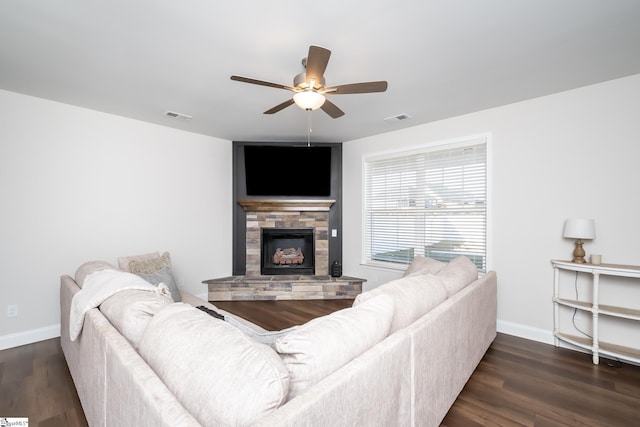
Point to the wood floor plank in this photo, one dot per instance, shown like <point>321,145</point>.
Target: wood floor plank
<point>553,385</point>
<point>557,386</point>
<point>36,384</point>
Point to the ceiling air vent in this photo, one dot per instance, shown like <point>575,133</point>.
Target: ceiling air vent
<point>398,118</point>
<point>178,115</point>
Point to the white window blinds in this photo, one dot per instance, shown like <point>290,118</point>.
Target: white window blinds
<point>431,202</point>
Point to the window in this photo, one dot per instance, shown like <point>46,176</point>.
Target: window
<point>431,202</point>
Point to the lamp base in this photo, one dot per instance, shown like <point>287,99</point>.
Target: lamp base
<point>579,253</point>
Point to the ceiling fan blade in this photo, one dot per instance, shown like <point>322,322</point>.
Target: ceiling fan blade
<point>317,61</point>
<point>365,87</point>
<point>331,109</point>
<point>261,83</point>
<point>279,107</point>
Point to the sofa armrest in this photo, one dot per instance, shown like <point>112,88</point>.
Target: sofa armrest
<point>448,344</point>
<point>372,388</point>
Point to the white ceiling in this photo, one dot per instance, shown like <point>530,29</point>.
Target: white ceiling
<point>141,58</point>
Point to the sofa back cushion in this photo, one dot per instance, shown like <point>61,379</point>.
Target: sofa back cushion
<point>220,376</point>
<point>130,312</point>
<point>423,265</point>
<point>90,267</point>
<point>457,274</point>
<point>414,296</point>
<point>324,344</point>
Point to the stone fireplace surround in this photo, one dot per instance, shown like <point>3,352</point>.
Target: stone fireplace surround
<point>287,214</point>
<point>272,213</point>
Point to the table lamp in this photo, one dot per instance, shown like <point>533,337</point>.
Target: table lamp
<point>579,229</point>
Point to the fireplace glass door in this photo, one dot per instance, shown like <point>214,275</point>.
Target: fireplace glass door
<point>287,251</point>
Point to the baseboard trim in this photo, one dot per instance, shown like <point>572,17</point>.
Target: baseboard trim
<point>524,331</point>
<point>204,296</point>
<point>29,337</point>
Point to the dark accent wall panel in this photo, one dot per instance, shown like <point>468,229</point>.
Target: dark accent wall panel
<point>239,193</point>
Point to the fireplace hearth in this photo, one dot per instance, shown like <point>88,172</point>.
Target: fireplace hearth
<point>287,251</point>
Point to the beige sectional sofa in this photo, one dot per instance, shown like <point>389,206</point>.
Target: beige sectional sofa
<point>400,356</point>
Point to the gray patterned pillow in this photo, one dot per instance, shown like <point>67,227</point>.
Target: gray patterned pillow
<point>123,261</point>
<point>149,264</point>
<point>155,271</point>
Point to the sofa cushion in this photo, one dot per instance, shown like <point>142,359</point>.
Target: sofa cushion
<point>89,267</point>
<point>458,273</point>
<point>423,265</point>
<point>131,311</point>
<point>155,270</point>
<point>220,375</point>
<point>414,296</point>
<point>324,344</point>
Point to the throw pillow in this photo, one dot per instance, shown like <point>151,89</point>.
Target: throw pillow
<point>423,265</point>
<point>321,346</point>
<point>218,374</point>
<point>457,274</point>
<point>150,264</point>
<point>413,296</point>
<point>123,261</point>
<point>164,275</point>
<point>156,270</point>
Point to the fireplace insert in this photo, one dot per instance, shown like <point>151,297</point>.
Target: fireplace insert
<point>287,251</point>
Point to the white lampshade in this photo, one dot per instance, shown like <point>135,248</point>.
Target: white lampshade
<point>579,228</point>
<point>309,100</point>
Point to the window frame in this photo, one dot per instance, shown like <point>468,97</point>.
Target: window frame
<point>442,145</point>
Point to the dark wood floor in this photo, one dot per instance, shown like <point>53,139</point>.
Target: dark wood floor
<point>276,315</point>
<point>35,383</point>
<point>518,382</point>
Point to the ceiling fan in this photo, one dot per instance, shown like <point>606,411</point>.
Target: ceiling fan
<point>309,87</point>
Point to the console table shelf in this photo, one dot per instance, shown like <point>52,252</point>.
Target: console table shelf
<point>595,345</point>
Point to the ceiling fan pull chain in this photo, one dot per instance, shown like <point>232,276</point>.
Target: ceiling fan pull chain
<point>309,121</point>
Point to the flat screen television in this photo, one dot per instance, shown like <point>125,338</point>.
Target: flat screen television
<point>287,171</point>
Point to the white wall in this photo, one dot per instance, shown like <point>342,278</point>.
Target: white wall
<point>79,185</point>
<point>572,154</point>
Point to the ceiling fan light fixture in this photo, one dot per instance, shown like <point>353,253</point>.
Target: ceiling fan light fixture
<point>309,88</point>
<point>309,99</point>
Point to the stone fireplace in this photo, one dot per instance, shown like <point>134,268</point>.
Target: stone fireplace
<point>292,224</point>
<point>287,215</point>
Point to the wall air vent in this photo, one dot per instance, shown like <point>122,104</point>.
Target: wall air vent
<point>398,118</point>
<point>175,115</point>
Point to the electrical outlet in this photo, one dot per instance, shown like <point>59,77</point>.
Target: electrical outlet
<point>12,310</point>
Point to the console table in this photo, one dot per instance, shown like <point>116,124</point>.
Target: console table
<point>595,345</point>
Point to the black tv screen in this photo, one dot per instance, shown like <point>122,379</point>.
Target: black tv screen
<point>287,171</point>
